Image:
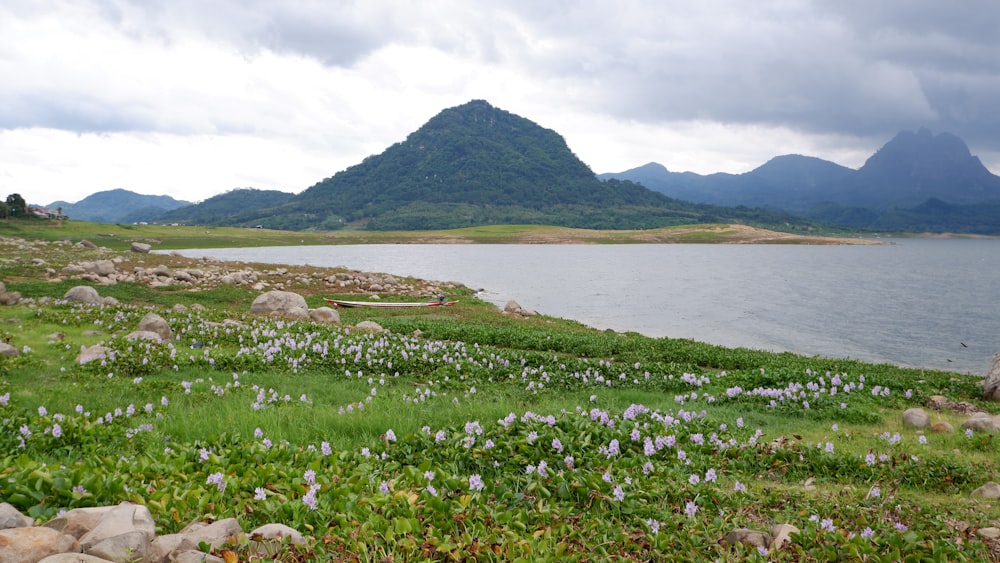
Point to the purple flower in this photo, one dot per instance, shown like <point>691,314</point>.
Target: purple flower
<point>217,480</point>
<point>654,525</point>
<point>618,493</point>
<point>694,479</point>
<point>390,435</point>
<point>310,477</point>
<point>310,497</point>
<point>432,491</point>
<point>383,488</point>
<point>827,524</point>
<point>867,532</point>
<point>710,475</point>
<point>259,493</point>
<point>429,475</point>
<point>557,445</point>
<point>476,482</point>
<point>690,509</point>
<point>739,487</point>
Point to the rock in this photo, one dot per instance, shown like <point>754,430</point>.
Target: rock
<point>9,297</point>
<point>75,558</point>
<point>990,490</point>
<point>83,294</point>
<point>78,521</point>
<point>325,315</point>
<point>981,422</point>
<point>278,532</point>
<point>942,427</point>
<point>916,418</point>
<point>512,307</point>
<point>141,247</point>
<point>215,534</point>
<point>86,244</point>
<point>28,545</point>
<point>8,350</point>
<point>749,537</point>
<point>92,353</point>
<point>129,546</point>
<point>989,533</point>
<point>782,534</point>
<point>124,518</point>
<point>103,268</point>
<point>109,301</point>
<point>282,304</point>
<point>991,385</point>
<point>144,335</point>
<point>370,326</point>
<point>937,402</point>
<point>155,323</point>
<point>11,517</point>
<point>179,308</point>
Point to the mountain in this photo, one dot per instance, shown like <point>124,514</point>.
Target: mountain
<point>915,167</point>
<point>917,181</point>
<point>244,207</point>
<point>118,206</point>
<point>475,164</point>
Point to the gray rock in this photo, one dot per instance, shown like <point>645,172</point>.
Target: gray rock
<point>86,244</point>
<point>155,323</point>
<point>278,532</point>
<point>981,422</point>
<point>282,304</point>
<point>144,335</point>
<point>512,307</point>
<point>214,534</point>
<point>28,545</point>
<point>124,518</point>
<point>11,517</point>
<point>370,326</point>
<point>749,537</point>
<point>8,350</point>
<point>991,385</point>
<point>74,558</point>
<point>93,353</point>
<point>990,490</point>
<point>325,315</point>
<point>141,247</point>
<point>78,521</point>
<point>83,294</point>
<point>782,534</point>
<point>9,297</point>
<point>102,268</point>
<point>194,556</point>
<point>916,418</point>
<point>128,546</point>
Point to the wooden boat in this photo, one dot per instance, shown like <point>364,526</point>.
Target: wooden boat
<point>341,304</point>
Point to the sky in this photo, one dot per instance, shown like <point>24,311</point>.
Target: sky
<point>193,98</point>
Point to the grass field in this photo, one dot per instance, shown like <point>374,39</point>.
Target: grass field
<point>464,434</point>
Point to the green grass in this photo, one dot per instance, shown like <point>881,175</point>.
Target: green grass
<point>477,393</point>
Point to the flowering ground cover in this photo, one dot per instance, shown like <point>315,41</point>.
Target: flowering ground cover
<point>481,438</point>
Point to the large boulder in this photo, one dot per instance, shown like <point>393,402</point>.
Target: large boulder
<point>92,353</point>
<point>982,422</point>
<point>325,315</point>
<point>26,545</point>
<point>916,418</point>
<point>991,386</point>
<point>11,517</point>
<point>141,247</point>
<point>280,304</point>
<point>155,323</point>
<point>83,294</point>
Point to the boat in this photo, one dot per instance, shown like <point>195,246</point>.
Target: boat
<point>341,304</point>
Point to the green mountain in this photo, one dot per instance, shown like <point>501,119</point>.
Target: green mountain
<point>118,206</point>
<point>477,165</point>
<point>244,207</point>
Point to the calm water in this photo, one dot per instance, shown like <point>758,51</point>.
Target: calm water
<point>919,302</point>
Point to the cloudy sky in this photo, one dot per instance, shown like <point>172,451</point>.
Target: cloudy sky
<point>192,98</point>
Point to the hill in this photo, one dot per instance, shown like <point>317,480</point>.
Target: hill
<point>917,181</point>
<point>472,165</point>
<point>244,207</point>
<point>118,206</point>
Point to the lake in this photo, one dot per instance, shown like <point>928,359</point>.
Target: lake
<point>932,303</point>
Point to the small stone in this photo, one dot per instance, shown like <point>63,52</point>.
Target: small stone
<point>782,534</point>
<point>942,427</point>
<point>749,537</point>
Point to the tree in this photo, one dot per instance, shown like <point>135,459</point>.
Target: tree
<point>4,210</point>
<point>16,204</point>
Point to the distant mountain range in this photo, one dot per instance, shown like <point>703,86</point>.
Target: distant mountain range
<point>476,164</point>
<point>118,206</point>
<point>917,181</point>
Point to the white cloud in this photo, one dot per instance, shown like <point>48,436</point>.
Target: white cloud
<point>101,94</point>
